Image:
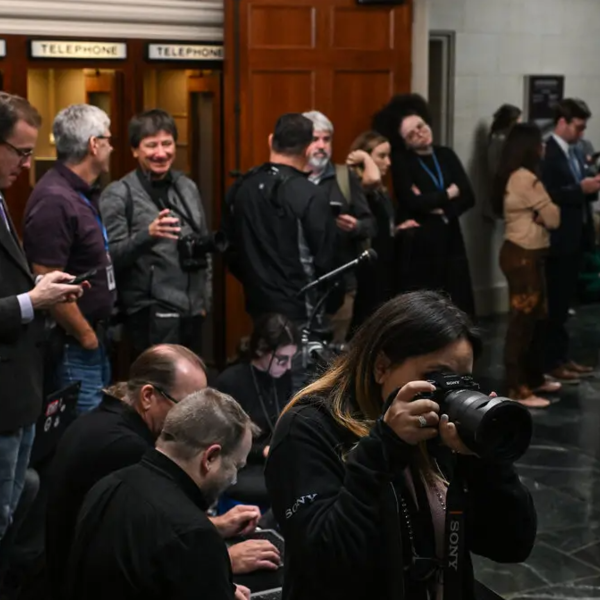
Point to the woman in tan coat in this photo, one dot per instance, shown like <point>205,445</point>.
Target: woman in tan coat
<point>528,213</point>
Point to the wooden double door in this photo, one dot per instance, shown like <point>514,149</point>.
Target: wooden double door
<point>334,56</point>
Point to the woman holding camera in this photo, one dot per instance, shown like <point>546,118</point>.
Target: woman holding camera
<point>360,492</point>
<point>529,213</point>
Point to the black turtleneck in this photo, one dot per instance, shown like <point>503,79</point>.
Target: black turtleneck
<point>157,189</point>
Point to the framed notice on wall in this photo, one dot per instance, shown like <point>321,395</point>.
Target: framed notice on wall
<point>542,94</point>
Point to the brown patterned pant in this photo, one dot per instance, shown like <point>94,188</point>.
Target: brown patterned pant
<point>524,349</point>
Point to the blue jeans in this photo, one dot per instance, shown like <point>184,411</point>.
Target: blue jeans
<point>15,449</point>
<point>91,367</point>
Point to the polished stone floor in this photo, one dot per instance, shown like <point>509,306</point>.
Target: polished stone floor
<point>562,470</point>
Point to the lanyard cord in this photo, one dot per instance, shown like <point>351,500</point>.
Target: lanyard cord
<point>98,220</point>
<point>260,396</point>
<point>437,179</point>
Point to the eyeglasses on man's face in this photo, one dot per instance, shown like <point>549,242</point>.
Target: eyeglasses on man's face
<point>24,154</point>
<point>164,394</point>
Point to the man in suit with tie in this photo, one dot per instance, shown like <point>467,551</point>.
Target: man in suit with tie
<point>565,177</point>
<point>21,324</point>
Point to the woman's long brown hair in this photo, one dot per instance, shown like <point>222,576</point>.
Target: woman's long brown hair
<point>407,326</point>
<point>367,141</point>
<point>522,150</point>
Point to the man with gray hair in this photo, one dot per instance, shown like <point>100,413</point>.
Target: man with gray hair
<point>143,531</point>
<point>355,223</point>
<point>64,231</point>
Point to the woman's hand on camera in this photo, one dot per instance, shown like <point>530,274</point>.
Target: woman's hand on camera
<point>449,435</point>
<point>413,421</point>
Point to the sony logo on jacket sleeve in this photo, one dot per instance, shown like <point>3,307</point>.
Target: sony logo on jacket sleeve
<point>290,512</point>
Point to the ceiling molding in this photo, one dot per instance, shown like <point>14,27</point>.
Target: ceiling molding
<point>154,19</point>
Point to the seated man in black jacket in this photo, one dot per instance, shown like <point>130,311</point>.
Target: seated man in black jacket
<point>116,435</point>
<point>143,532</point>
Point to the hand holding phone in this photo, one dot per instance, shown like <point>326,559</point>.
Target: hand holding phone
<point>83,277</point>
<point>336,208</point>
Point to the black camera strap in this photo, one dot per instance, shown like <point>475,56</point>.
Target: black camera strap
<point>454,539</point>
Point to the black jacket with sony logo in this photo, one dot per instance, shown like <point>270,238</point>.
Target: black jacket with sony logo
<point>345,538</point>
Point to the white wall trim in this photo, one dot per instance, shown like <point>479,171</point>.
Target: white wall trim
<point>155,19</point>
<point>420,47</point>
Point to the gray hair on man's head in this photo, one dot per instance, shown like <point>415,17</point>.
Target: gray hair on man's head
<point>319,120</point>
<point>74,126</point>
<point>203,419</point>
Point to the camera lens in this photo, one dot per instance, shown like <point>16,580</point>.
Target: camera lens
<point>493,428</point>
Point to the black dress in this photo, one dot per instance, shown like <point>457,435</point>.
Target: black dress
<point>433,256</point>
<point>375,284</point>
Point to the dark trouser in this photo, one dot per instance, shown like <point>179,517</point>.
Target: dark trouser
<point>31,485</point>
<point>562,274</point>
<point>15,450</point>
<point>523,351</point>
<point>156,325</point>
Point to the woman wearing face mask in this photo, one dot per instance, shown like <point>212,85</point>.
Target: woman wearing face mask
<point>360,496</point>
<point>262,384</point>
<point>370,159</point>
<point>433,188</point>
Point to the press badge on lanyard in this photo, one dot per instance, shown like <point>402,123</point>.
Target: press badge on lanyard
<point>110,272</point>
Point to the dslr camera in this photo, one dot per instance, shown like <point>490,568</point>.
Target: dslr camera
<point>194,248</point>
<point>498,429</point>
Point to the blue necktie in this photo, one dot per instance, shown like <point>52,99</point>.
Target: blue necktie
<point>575,165</point>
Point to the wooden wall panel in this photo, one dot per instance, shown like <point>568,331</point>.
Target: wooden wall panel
<point>356,97</point>
<point>295,55</point>
<point>265,31</point>
<point>281,92</point>
<point>375,32</point>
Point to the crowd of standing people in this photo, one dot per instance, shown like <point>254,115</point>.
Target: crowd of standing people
<point>128,493</point>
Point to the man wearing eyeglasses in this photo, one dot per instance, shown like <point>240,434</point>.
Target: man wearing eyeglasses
<point>116,435</point>
<point>573,189</point>
<point>64,230</point>
<point>21,323</point>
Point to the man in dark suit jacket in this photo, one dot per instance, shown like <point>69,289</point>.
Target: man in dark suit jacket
<point>21,326</point>
<point>564,176</point>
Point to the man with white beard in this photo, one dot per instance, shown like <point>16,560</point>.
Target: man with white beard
<point>354,220</point>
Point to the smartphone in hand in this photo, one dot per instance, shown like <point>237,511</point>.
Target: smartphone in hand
<point>83,277</point>
<point>336,208</point>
